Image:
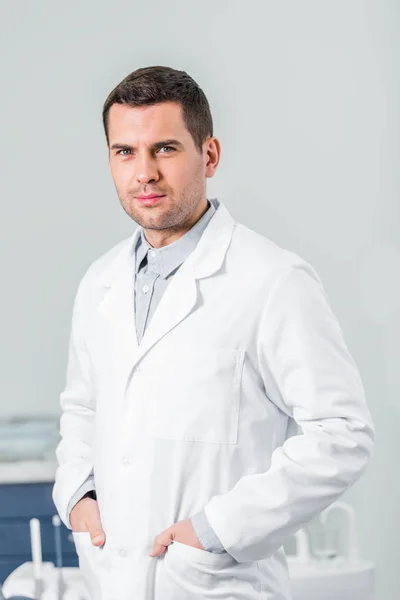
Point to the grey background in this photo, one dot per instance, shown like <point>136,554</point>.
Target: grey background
<point>305,99</point>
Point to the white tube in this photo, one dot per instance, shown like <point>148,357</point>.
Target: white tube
<point>36,546</point>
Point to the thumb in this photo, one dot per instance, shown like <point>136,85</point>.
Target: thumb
<point>97,534</point>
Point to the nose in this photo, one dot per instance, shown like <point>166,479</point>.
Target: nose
<point>145,169</point>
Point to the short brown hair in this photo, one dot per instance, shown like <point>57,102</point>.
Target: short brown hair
<point>152,85</point>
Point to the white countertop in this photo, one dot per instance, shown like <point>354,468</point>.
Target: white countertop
<point>27,471</point>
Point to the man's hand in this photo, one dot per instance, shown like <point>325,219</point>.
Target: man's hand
<point>181,532</point>
<point>85,516</point>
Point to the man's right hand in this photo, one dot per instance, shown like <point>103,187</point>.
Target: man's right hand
<point>85,516</point>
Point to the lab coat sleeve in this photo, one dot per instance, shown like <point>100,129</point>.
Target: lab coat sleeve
<point>310,375</point>
<point>205,533</point>
<point>75,449</point>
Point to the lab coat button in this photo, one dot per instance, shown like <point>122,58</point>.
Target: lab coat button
<point>145,288</point>
<point>122,553</point>
<point>126,461</point>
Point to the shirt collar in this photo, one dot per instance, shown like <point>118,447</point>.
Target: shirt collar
<point>170,257</point>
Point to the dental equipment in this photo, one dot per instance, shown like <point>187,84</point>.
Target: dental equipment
<point>36,546</point>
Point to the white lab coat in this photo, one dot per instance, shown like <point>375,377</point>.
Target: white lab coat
<point>242,346</point>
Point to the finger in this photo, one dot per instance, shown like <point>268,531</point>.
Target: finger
<point>157,550</point>
<point>95,529</point>
<point>161,542</point>
<point>98,537</point>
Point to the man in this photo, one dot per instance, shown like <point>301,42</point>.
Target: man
<point>212,407</point>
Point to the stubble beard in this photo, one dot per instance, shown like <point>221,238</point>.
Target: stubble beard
<point>176,217</point>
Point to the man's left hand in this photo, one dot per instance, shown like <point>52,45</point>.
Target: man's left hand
<point>181,532</point>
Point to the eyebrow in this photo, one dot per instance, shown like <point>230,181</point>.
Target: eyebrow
<point>155,145</point>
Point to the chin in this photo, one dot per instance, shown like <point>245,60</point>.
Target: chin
<point>150,223</point>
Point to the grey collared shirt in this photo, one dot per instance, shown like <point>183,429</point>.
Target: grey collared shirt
<point>154,269</point>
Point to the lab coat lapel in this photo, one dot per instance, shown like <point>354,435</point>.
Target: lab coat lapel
<point>178,300</point>
<point>180,297</point>
<point>117,307</point>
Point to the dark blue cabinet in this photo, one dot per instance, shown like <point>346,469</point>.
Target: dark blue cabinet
<point>20,502</point>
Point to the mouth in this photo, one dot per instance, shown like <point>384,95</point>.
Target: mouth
<point>150,200</point>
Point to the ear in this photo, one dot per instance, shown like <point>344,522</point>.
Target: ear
<point>212,156</point>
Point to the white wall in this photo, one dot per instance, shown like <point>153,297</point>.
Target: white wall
<point>305,100</point>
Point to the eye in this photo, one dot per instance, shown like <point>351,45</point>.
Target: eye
<point>170,147</point>
<point>123,150</point>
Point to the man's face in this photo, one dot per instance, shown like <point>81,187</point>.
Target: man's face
<point>141,165</point>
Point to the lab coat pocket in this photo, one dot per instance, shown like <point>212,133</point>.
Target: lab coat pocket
<point>92,563</point>
<point>194,394</point>
<point>194,573</point>
<point>202,556</point>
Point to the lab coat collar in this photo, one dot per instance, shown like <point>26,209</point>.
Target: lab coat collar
<point>207,257</point>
